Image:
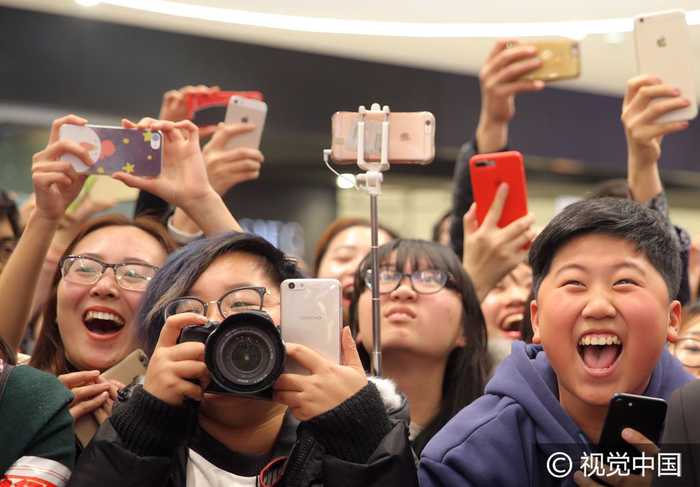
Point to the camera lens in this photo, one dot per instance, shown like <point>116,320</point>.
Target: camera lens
<point>245,354</point>
<point>292,285</point>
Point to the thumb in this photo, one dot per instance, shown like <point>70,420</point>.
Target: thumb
<point>469,221</point>
<point>350,357</point>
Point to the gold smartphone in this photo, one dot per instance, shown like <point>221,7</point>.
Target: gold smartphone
<point>561,59</point>
<point>127,372</point>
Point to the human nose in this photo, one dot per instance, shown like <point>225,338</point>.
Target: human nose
<point>106,285</point>
<point>517,295</point>
<point>599,305</point>
<point>213,313</point>
<point>404,289</point>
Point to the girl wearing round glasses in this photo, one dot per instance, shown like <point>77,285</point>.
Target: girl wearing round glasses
<point>89,319</point>
<point>432,330</point>
<point>332,424</point>
<point>687,347</point>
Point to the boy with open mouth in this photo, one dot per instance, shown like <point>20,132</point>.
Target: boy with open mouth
<point>605,273</point>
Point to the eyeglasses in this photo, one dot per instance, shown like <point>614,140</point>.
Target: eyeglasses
<point>234,301</point>
<point>80,269</point>
<point>687,350</point>
<point>428,281</point>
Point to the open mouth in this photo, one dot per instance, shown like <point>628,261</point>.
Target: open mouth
<point>103,322</point>
<point>599,351</point>
<point>510,325</point>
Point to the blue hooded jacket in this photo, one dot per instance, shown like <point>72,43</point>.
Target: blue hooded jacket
<point>503,438</point>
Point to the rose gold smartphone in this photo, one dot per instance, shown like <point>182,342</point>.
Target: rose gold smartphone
<point>411,137</point>
<point>127,372</point>
<point>561,59</point>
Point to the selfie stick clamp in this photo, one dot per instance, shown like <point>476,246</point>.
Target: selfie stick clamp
<point>371,181</point>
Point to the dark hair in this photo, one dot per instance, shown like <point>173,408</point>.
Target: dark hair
<point>447,216</point>
<point>7,355</point>
<point>612,188</point>
<point>49,353</point>
<point>8,208</point>
<point>622,218</point>
<point>184,267</point>
<point>465,373</point>
<point>334,229</point>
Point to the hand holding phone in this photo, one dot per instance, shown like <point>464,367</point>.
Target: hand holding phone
<point>208,108</point>
<point>488,172</point>
<point>243,110</point>
<point>115,149</point>
<point>411,137</point>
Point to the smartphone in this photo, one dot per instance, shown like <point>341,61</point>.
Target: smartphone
<point>561,59</point>
<point>411,137</point>
<point>128,371</point>
<point>663,48</point>
<point>487,172</point>
<point>209,109</point>
<point>641,413</point>
<point>246,110</point>
<point>312,315</point>
<point>112,149</point>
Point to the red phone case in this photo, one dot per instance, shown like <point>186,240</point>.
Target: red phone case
<point>201,102</point>
<point>487,172</point>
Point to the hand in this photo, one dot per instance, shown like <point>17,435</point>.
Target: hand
<point>490,252</point>
<point>644,445</point>
<point>89,392</point>
<point>227,168</point>
<point>499,80</point>
<point>183,178</point>
<point>646,99</point>
<point>174,366</point>
<point>103,413</point>
<point>56,184</point>
<point>329,384</point>
<point>174,105</point>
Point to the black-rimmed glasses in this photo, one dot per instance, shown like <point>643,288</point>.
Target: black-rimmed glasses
<point>234,301</point>
<point>427,281</point>
<point>80,269</point>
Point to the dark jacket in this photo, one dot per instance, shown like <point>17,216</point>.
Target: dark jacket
<point>503,438</point>
<point>361,442</point>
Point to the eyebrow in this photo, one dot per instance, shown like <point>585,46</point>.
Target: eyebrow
<point>622,265</point>
<point>127,260</point>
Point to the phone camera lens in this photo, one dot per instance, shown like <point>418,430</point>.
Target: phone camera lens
<point>292,285</point>
<point>642,19</point>
<point>428,122</point>
<point>155,137</point>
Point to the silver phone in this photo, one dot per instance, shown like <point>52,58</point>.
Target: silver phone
<point>246,110</point>
<point>312,315</point>
<point>662,43</point>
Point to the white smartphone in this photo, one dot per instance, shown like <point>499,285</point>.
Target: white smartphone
<point>662,43</point>
<point>312,315</point>
<point>246,110</point>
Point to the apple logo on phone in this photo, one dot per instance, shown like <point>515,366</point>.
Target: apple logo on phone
<point>661,42</point>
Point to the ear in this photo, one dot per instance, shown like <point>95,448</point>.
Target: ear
<point>461,341</point>
<point>674,321</point>
<point>535,322</point>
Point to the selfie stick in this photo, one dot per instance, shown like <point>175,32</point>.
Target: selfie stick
<point>371,181</point>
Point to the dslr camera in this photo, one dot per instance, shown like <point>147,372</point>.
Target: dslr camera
<point>244,353</point>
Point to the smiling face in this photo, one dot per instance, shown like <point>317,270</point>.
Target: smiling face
<point>96,322</point>
<point>504,305</point>
<point>343,257</point>
<point>425,324</point>
<point>603,315</point>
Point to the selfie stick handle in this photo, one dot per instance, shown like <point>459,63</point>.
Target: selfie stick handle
<point>371,181</point>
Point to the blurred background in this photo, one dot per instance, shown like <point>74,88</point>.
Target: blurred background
<point>112,59</point>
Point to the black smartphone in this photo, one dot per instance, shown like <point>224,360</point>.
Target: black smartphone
<point>641,413</point>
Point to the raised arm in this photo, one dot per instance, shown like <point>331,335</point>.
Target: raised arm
<point>56,185</point>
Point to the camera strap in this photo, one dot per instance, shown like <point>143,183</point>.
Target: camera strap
<point>272,473</point>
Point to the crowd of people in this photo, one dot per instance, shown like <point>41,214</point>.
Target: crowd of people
<point>501,346</point>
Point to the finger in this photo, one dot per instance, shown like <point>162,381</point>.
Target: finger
<point>68,119</point>
<point>225,132</point>
<point>648,93</point>
<point>102,413</point>
<point>128,124</point>
<point>74,379</point>
<point>639,441</point>
<point>634,84</point>
<point>507,57</point>
<point>145,123</point>
<point>520,86</point>
<point>205,132</point>
<point>84,393</point>
<point>661,107</point>
<point>174,324</point>
<point>349,354</point>
<point>86,407</point>
<point>518,227</point>
<point>291,399</point>
<point>43,181</point>
<point>187,351</point>
<point>583,481</point>
<point>188,129</point>
<point>469,221</point>
<point>138,182</point>
<point>496,209</point>
<point>191,390</point>
<point>290,382</point>
<point>189,369</point>
<point>653,131</point>
<point>515,70</point>
<point>306,357</point>
<point>56,150</point>
<point>501,45</point>
<point>171,134</point>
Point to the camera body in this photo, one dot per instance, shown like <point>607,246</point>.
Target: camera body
<point>244,353</point>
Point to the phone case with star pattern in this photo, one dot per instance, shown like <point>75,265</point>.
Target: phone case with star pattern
<point>113,149</point>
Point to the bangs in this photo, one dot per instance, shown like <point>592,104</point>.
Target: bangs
<point>418,254</point>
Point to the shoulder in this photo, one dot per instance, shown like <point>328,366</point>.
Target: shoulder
<point>41,389</point>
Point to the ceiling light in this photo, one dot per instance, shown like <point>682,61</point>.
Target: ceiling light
<point>87,3</point>
<point>572,29</point>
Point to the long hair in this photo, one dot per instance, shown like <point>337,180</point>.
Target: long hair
<point>183,268</point>
<point>466,369</point>
<point>334,229</point>
<point>49,351</point>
